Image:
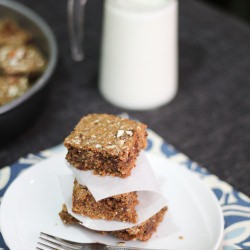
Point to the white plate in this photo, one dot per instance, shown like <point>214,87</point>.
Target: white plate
<point>32,202</point>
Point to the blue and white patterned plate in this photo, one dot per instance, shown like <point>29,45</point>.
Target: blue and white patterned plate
<point>235,205</point>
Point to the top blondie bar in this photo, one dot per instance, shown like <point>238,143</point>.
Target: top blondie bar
<point>106,144</point>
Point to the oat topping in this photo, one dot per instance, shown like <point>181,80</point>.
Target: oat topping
<point>111,146</point>
<point>120,142</point>
<point>120,133</point>
<point>12,91</point>
<point>77,140</point>
<point>130,133</point>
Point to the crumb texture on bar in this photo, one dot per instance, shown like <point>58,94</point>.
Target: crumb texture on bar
<point>119,207</point>
<point>105,143</point>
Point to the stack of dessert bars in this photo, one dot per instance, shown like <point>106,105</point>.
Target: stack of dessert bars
<point>109,146</point>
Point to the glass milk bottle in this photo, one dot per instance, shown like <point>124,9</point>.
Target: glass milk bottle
<point>138,68</point>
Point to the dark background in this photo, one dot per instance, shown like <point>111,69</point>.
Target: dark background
<point>238,8</point>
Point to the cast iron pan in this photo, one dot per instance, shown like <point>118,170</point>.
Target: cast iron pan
<point>21,112</point>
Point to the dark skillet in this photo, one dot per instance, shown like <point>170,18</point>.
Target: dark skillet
<point>21,112</point>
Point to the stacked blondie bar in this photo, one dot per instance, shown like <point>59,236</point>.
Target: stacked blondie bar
<point>108,145</point>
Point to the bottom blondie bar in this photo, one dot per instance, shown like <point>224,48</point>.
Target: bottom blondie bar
<point>141,232</point>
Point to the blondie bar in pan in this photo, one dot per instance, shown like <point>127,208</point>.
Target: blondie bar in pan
<point>21,60</point>
<point>11,33</point>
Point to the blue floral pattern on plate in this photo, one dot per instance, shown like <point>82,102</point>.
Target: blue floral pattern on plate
<point>235,205</point>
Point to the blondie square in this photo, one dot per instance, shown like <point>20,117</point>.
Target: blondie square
<point>119,207</point>
<point>21,60</point>
<point>11,33</point>
<point>106,144</point>
<point>142,232</point>
<point>12,87</point>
